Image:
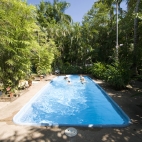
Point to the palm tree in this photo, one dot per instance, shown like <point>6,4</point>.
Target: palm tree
<point>52,13</point>
<point>58,11</point>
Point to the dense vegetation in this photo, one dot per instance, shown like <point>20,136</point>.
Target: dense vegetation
<point>44,38</point>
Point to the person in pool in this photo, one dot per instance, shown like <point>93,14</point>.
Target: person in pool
<point>69,81</point>
<point>65,77</point>
<point>82,79</point>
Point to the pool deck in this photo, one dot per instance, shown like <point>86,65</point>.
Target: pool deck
<point>10,132</point>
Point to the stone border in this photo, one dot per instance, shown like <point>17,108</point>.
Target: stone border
<point>7,99</point>
<point>11,99</point>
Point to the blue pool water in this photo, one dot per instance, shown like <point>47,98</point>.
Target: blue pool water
<point>73,104</point>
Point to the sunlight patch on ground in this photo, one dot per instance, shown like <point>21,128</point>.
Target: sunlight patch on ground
<point>3,104</point>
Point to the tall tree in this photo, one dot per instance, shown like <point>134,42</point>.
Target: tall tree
<point>101,29</point>
<point>16,36</point>
<point>136,23</point>
<point>52,13</point>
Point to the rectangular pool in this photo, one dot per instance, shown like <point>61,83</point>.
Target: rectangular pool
<point>60,103</point>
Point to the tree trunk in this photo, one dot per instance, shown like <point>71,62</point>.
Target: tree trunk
<point>135,53</point>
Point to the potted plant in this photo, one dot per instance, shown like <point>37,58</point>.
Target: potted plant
<point>11,93</point>
<point>30,82</point>
<point>31,78</point>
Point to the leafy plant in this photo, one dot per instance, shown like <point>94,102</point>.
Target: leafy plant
<point>15,41</point>
<point>44,56</point>
<point>69,69</point>
<point>117,75</point>
<point>98,70</point>
<point>73,69</point>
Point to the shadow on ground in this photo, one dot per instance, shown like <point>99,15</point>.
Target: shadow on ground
<point>34,134</point>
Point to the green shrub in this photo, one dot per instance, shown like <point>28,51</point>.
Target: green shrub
<point>117,75</point>
<point>70,69</point>
<point>86,70</point>
<point>65,69</point>
<point>98,70</point>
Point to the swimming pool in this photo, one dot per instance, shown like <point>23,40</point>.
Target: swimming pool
<point>60,103</point>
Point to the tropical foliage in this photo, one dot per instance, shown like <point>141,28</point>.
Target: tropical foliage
<point>117,75</point>
<point>20,45</point>
<point>98,69</point>
<point>45,38</point>
<point>17,23</point>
